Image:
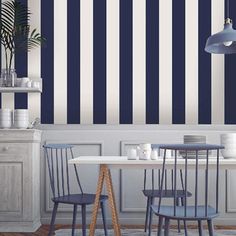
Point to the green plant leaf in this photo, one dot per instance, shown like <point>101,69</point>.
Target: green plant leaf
<point>15,33</point>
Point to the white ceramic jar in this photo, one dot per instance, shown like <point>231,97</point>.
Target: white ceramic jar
<point>145,151</point>
<point>229,143</point>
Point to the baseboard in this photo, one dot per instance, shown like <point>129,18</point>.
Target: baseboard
<point>27,227</point>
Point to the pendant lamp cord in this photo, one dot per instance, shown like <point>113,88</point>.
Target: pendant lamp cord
<point>227,8</point>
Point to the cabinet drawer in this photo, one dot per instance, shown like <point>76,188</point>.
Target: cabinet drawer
<point>13,148</point>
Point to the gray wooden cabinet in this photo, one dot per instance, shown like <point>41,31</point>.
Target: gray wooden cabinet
<point>19,180</point>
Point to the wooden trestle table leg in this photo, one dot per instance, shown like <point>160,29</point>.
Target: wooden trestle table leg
<point>104,174</point>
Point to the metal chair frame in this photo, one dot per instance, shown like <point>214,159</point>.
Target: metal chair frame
<point>197,212</point>
<point>57,156</point>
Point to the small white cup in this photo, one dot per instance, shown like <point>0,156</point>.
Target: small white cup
<point>168,153</point>
<point>154,154</point>
<point>132,154</point>
<point>145,154</point>
<point>35,84</point>
<point>24,82</point>
<point>29,83</point>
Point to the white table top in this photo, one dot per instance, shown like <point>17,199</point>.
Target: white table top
<point>121,162</point>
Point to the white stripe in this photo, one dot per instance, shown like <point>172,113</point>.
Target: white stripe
<point>165,62</point>
<point>34,61</point>
<point>86,61</point>
<point>217,65</point>
<point>139,62</point>
<point>60,62</point>
<point>191,64</point>
<point>113,62</point>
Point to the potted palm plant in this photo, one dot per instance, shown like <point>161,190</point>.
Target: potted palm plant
<point>16,35</point>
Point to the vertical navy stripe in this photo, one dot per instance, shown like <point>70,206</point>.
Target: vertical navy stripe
<point>73,62</point>
<point>204,94</point>
<point>152,62</point>
<point>126,53</point>
<point>47,59</point>
<point>178,61</point>
<point>21,65</point>
<point>230,81</point>
<point>99,61</point>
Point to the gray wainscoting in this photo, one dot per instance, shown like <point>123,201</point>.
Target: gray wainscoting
<point>114,140</point>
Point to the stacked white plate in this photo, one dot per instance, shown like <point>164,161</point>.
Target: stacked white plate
<point>21,118</point>
<point>194,139</point>
<point>229,142</point>
<point>5,118</point>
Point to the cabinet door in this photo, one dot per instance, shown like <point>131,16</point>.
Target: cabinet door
<point>15,182</point>
<point>11,190</point>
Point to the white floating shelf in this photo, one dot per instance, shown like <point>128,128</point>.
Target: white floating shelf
<point>23,89</point>
<point>19,90</point>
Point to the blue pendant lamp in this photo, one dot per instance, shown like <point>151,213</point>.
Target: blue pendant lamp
<point>223,42</point>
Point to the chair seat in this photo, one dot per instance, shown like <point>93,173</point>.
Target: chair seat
<point>168,211</point>
<point>79,199</point>
<point>169,193</point>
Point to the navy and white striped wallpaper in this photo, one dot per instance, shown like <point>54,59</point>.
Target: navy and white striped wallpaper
<point>128,62</point>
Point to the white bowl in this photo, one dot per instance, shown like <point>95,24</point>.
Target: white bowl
<point>5,110</point>
<point>229,146</point>
<point>5,124</point>
<point>4,116</point>
<point>5,120</point>
<point>21,113</point>
<point>22,121</point>
<point>21,117</point>
<point>21,125</point>
<point>228,154</point>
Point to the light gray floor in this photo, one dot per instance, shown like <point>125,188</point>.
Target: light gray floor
<point>138,232</point>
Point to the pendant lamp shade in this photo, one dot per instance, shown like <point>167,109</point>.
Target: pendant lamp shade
<point>223,42</point>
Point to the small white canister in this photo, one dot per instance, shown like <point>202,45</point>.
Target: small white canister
<point>132,154</point>
<point>145,151</point>
<point>154,154</point>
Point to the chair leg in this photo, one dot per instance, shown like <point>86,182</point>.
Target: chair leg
<point>147,214</point>
<point>160,225</point>
<point>185,228</point>
<point>167,227</point>
<point>200,227</point>
<point>185,223</point>
<point>210,227</point>
<point>83,209</point>
<point>102,204</point>
<point>74,220</point>
<point>178,222</point>
<point>54,212</point>
<point>150,216</point>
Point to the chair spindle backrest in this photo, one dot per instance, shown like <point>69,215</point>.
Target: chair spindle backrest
<point>196,148</point>
<point>57,156</point>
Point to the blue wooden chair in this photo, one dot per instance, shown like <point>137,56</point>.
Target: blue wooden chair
<point>168,192</point>
<point>57,156</point>
<point>196,212</point>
